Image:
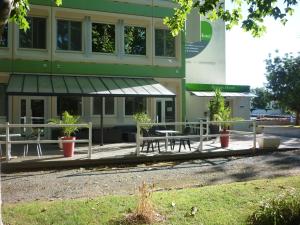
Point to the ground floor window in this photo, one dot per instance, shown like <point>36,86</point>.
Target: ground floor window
<point>3,100</point>
<point>108,106</point>
<point>72,104</point>
<point>134,105</point>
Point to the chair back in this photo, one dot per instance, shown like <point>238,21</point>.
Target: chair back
<point>187,130</point>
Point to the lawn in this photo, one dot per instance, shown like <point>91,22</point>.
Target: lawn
<point>219,204</point>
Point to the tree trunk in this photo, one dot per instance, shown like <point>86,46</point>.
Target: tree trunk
<point>5,10</point>
<point>297,117</point>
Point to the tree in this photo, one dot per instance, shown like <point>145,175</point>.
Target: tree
<point>257,11</point>
<point>16,11</point>
<point>262,100</point>
<point>283,76</point>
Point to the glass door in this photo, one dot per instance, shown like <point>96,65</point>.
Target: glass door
<point>165,110</point>
<point>32,110</point>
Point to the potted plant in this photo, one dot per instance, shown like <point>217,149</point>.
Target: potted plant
<point>214,107</point>
<point>142,117</point>
<point>224,115</point>
<point>68,132</point>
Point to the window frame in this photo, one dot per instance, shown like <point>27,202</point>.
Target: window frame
<point>116,38</point>
<point>146,40</point>
<point>46,35</point>
<point>175,44</point>
<point>103,108</point>
<point>82,36</point>
<point>124,105</point>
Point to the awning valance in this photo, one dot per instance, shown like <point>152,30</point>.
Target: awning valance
<point>224,94</point>
<point>55,85</point>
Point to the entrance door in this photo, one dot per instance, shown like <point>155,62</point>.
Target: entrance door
<point>165,110</point>
<point>32,111</point>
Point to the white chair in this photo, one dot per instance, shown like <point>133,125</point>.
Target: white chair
<point>35,135</point>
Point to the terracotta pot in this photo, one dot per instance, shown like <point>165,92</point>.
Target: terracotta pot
<point>69,147</point>
<point>224,138</point>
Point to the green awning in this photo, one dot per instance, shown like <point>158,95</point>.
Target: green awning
<point>55,85</point>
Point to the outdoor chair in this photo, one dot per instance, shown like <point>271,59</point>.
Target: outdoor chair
<point>35,134</point>
<point>150,142</point>
<point>183,141</point>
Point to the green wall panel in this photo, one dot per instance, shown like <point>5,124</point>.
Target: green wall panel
<point>111,6</point>
<point>76,68</point>
<point>5,65</point>
<point>30,66</point>
<point>116,70</point>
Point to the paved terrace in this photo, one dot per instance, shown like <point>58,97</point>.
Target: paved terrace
<point>122,153</point>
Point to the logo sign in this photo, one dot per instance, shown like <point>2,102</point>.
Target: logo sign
<point>195,48</point>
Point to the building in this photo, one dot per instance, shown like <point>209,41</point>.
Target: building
<point>88,58</point>
<point>206,70</point>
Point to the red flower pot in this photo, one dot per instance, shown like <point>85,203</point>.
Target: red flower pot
<point>224,138</point>
<point>69,147</point>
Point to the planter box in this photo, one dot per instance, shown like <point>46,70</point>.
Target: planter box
<point>268,143</point>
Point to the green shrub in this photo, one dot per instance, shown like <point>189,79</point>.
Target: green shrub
<point>281,210</point>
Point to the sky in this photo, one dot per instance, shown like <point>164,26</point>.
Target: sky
<point>245,55</point>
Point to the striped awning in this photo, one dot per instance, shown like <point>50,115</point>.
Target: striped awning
<point>224,94</point>
<point>55,85</point>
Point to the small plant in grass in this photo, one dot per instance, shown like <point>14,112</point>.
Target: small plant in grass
<point>145,212</point>
<point>281,210</point>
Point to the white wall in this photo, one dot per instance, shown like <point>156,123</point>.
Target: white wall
<point>208,66</point>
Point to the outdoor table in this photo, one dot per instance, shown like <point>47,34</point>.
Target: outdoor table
<point>167,132</point>
<point>9,145</point>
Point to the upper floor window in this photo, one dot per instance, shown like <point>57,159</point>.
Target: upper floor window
<point>35,35</point>
<point>108,106</point>
<point>4,37</point>
<point>164,43</point>
<point>135,40</point>
<point>69,35</point>
<point>103,38</point>
<point>134,105</point>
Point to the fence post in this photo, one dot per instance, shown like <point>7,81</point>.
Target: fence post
<point>201,136</point>
<point>7,144</point>
<point>254,134</point>
<point>90,151</point>
<point>138,132</point>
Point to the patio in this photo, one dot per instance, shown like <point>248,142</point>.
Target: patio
<point>122,153</point>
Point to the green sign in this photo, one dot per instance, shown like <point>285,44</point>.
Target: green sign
<point>194,48</point>
<point>213,87</point>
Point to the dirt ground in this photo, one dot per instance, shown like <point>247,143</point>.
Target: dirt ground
<point>86,183</point>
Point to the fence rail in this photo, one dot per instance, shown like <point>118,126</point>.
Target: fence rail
<point>9,142</point>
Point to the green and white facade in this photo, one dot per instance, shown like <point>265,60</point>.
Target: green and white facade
<point>62,44</point>
<point>206,70</point>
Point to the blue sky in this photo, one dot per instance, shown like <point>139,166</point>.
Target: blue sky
<point>245,55</point>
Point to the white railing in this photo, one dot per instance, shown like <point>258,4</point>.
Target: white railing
<point>203,131</point>
<point>8,142</point>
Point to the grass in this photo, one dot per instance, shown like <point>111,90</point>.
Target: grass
<point>219,204</point>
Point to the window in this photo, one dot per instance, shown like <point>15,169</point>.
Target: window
<point>72,104</point>
<point>4,37</point>
<point>164,43</point>
<point>103,38</point>
<point>134,105</point>
<point>69,35</point>
<point>3,100</point>
<point>109,105</point>
<point>35,35</point>
<point>135,40</point>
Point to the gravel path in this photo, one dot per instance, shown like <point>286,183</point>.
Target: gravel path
<point>84,183</point>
